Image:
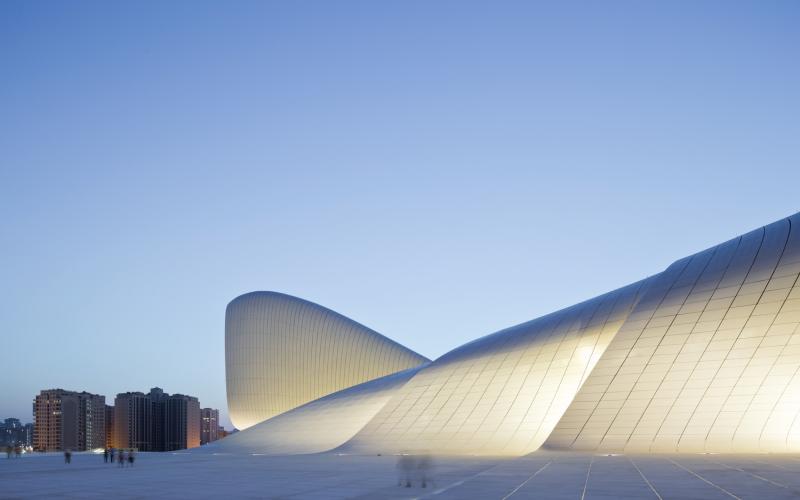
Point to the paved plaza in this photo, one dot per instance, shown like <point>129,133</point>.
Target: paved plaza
<point>539,475</point>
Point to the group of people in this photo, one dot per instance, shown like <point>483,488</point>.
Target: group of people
<point>411,468</point>
<point>121,456</point>
<point>16,450</point>
<point>110,455</point>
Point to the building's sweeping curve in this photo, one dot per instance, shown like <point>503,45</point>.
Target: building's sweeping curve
<point>282,352</point>
<point>503,393</point>
<point>709,360</point>
<point>320,425</point>
<point>703,357</point>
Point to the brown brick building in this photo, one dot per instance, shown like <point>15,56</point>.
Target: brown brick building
<point>69,420</point>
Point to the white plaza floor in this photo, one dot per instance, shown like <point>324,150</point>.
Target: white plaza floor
<point>539,475</point>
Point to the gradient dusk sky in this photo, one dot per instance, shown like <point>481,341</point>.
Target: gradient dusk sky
<point>434,170</point>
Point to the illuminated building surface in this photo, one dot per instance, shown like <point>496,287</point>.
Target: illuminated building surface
<point>320,425</point>
<point>702,357</point>
<point>281,352</point>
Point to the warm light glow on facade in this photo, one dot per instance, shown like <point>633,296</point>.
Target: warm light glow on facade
<point>703,357</point>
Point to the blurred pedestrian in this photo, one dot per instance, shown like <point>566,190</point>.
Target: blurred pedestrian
<point>405,469</point>
<point>424,469</point>
<point>113,450</point>
<point>130,458</point>
<point>121,458</point>
<point>105,455</point>
<point>67,456</point>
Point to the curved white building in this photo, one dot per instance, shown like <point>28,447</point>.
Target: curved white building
<point>709,359</point>
<point>703,357</point>
<point>320,425</point>
<point>504,393</point>
<point>282,352</point>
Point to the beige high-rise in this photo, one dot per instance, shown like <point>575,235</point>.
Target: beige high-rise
<point>69,420</point>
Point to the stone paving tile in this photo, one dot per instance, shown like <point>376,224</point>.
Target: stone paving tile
<point>776,470</point>
<point>670,481</point>
<point>616,477</point>
<point>564,478</point>
<point>737,483</point>
<point>496,482</point>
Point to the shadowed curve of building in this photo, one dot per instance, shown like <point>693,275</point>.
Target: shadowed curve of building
<point>702,357</point>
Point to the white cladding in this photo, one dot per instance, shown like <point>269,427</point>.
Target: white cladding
<point>708,360</point>
<point>504,393</point>
<point>320,425</point>
<point>282,352</point>
<point>703,357</point>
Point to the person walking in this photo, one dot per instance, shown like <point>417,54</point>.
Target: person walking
<point>17,451</point>
<point>8,452</point>
<point>424,467</point>
<point>405,466</point>
<point>105,455</point>
<point>130,458</point>
<point>121,458</point>
<point>67,456</point>
<point>113,450</point>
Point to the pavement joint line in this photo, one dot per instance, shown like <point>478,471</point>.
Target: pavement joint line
<point>457,483</point>
<point>586,483</point>
<point>698,476</point>
<point>774,465</point>
<point>779,485</point>
<point>645,479</point>
<point>526,481</point>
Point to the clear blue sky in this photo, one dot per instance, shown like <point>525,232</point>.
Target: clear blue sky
<point>434,170</point>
